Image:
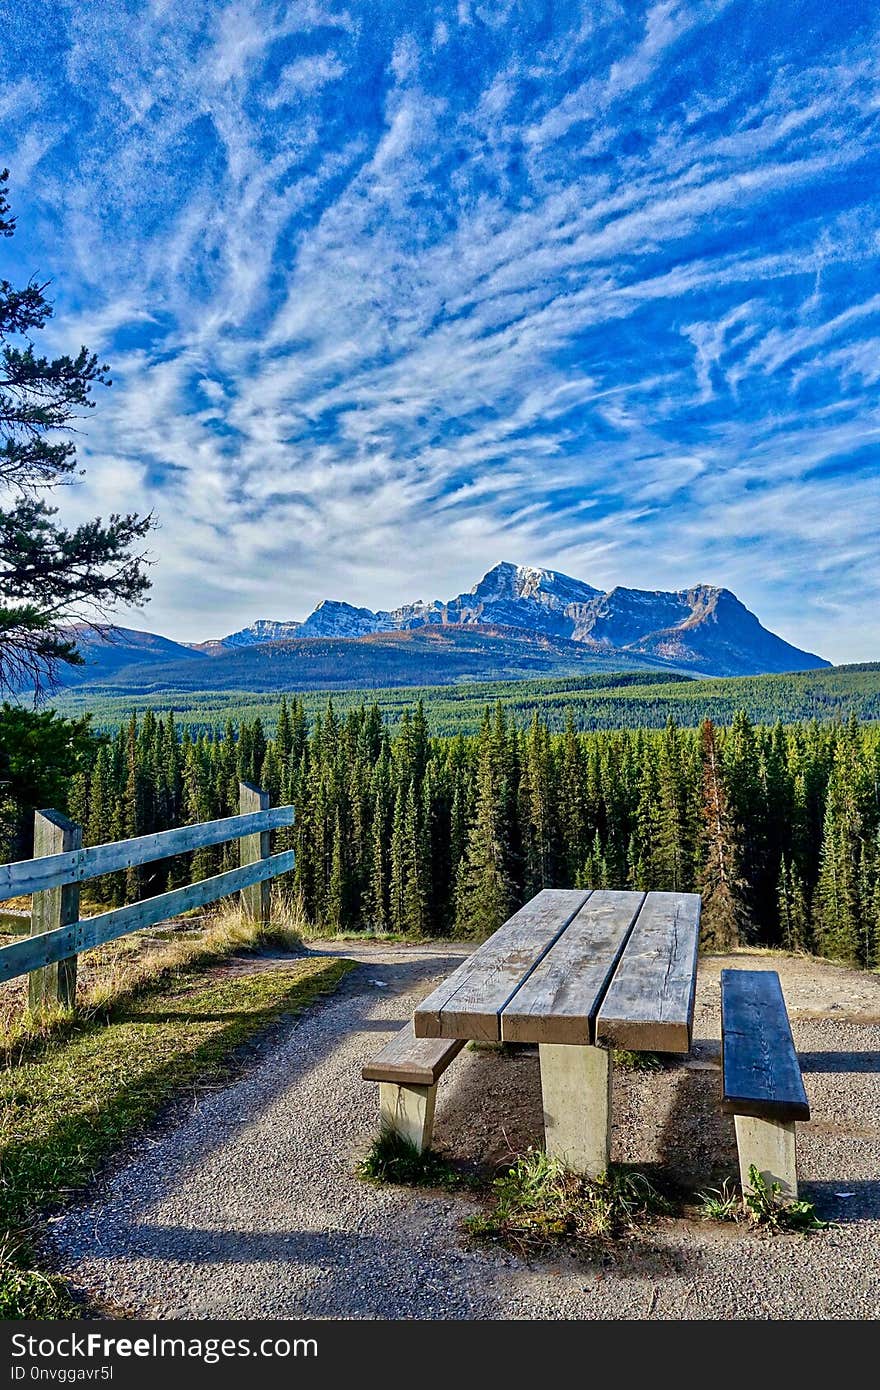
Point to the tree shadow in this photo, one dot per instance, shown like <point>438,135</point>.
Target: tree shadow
<point>336,1271</point>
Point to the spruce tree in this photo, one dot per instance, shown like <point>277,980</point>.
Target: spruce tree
<point>335,902</point>
<point>485,890</point>
<point>134,809</point>
<point>376,904</point>
<point>724,923</point>
<point>674,845</point>
<point>417,869</point>
<point>397,874</point>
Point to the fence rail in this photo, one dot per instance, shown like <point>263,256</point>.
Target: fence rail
<point>74,866</point>
<point>58,933</point>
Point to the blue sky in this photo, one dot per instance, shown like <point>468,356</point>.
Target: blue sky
<point>393,291</point>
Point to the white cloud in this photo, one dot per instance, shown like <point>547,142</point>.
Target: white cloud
<point>304,77</point>
<point>461,330</point>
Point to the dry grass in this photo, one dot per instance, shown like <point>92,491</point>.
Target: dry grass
<point>112,973</point>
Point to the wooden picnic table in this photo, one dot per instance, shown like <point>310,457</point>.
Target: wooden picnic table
<point>579,973</point>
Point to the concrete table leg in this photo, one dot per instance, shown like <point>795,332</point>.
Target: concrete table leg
<point>771,1146</point>
<point>576,1088</point>
<point>409,1111</point>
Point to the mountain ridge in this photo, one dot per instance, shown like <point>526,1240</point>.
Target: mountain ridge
<point>514,621</point>
<point>705,627</point>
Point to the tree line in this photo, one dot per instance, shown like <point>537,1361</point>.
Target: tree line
<point>777,827</point>
<point>624,699</point>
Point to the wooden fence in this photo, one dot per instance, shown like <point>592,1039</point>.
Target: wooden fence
<point>60,864</point>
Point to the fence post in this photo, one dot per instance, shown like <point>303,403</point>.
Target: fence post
<point>254,900</point>
<point>54,986</point>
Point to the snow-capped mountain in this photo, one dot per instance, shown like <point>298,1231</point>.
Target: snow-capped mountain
<point>334,619</point>
<point>706,629</point>
<point>263,630</point>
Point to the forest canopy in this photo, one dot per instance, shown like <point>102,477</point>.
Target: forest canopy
<point>777,826</point>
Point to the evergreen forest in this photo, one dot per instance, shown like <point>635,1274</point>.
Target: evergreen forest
<point>401,831</point>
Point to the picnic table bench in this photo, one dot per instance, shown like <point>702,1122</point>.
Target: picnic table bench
<point>762,1083</point>
<point>579,973</point>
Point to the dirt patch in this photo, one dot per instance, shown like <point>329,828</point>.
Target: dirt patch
<point>813,988</point>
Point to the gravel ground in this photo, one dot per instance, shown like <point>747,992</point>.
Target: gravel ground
<point>246,1205</point>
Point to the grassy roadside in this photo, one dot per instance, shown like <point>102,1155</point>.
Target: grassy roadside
<point>71,1097</point>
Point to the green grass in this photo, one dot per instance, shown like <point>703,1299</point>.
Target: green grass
<point>392,1158</point>
<point>31,1294</point>
<point>762,1206</point>
<point>73,1100</point>
<point>722,1203</point>
<point>539,1204</point>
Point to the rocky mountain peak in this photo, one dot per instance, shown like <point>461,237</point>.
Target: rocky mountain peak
<point>705,627</point>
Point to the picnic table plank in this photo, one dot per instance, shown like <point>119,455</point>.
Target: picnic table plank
<point>412,1061</point>
<point>469,1003</point>
<point>559,1000</point>
<point>762,1074</point>
<point>649,1005</point>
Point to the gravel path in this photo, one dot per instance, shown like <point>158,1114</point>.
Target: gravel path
<point>247,1206</point>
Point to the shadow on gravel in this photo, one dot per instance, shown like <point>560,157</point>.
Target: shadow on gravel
<point>843,1202</point>
<point>178,1244</point>
<point>345,1274</point>
<point>381,1025</point>
<point>489,1108</point>
<point>841,1062</point>
<point>697,1143</point>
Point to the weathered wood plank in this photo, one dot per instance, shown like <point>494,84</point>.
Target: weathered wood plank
<point>251,849</point>
<point>35,951</point>
<point>54,987</point>
<point>649,1005</point>
<point>37,875</point>
<point>469,1003</point>
<point>559,1001</point>
<point>762,1074</point>
<point>406,1058</point>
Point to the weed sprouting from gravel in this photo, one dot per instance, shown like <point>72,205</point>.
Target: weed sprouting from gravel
<point>763,1206</point>
<point>393,1158</point>
<point>539,1203</point>
<point>722,1203</point>
<point>638,1061</point>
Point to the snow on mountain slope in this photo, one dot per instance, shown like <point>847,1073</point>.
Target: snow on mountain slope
<point>705,628</point>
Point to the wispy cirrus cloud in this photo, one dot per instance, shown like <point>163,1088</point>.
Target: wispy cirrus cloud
<point>391,296</point>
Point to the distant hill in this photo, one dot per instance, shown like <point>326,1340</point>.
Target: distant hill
<point>599,700</point>
<point>435,655</point>
<point>111,650</point>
